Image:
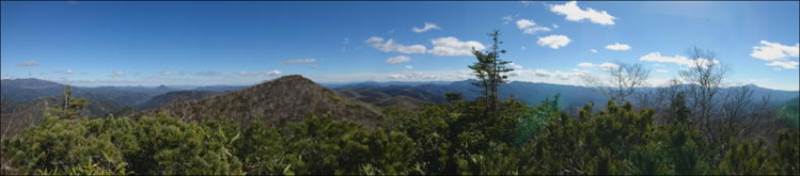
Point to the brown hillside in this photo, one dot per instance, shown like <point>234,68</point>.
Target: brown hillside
<point>288,98</point>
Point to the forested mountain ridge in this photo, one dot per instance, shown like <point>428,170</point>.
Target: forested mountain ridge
<point>105,100</point>
<point>528,92</point>
<point>176,96</point>
<point>21,91</point>
<point>289,98</point>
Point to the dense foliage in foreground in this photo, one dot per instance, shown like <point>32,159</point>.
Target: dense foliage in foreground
<point>457,137</point>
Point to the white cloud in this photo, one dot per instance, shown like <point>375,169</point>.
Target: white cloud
<point>303,61</point>
<point>604,65</point>
<point>776,54</point>
<point>391,46</point>
<point>274,73</point>
<point>618,47</point>
<point>28,63</point>
<point>415,76</point>
<point>248,73</point>
<point>271,73</point>
<point>574,13</point>
<point>507,19</point>
<point>548,76</point>
<point>451,46</point>
<point>526,3</point>
<point>172,73</point>
<point>593,50</point>
<point>515,66</point>
<point>208,74</point>
<point>585,65</point>
<point>117,74</point>
<point>608,65</point>
<point>428,26</point>
<point>553,41</point>
<point>657,57</point>
<point>676,59</point>
<point>784,64</point>
<point>530,27</point>
<point>398,59</point>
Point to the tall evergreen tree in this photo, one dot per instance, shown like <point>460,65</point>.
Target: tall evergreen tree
<point>490,70</point>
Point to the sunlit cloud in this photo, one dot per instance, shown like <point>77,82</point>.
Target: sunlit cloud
<point>777,55</point>
<point>390,46</point>
<point>677,59</point>
<point>603,66</point>
<point>451,46</point>
<point>530,27</point>
<point>507,19</point>
<point>427,27</point>
<point>554,41</point>
<point>398,59</point>
<point>618,47</point>
<point>574,13</point>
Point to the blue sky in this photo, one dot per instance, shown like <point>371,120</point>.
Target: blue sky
<point>211,43</point>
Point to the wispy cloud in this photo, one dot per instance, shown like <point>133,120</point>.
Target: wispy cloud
<point>427,27</point>
<point>270,73</point>
<point>574,13</point>
<point>618,47</point>
<point>554,41</point>
<point>677,59</point>
<point>413,76</point>
<point>603,66</point>
<point>118,74</point>
<point>777,55</point>
<point>208,73</point>
<point>451,46</point>
<point>530,27</point>
<point>390,46</point>
<point>28,63</point>
<point>507,19</point>
<point>301,61</point>
<point>585,65</point>
<point>171,73</point>
<point>398,59</point>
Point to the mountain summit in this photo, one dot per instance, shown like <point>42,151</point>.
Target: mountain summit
<point>288,98</point>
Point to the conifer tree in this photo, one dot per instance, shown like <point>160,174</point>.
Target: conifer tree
<point>491,71</point>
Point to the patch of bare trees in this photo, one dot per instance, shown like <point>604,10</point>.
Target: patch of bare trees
<point>622,81</point>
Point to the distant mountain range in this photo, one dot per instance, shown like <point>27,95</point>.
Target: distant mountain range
<point>382,94</point>
<point>284,99</point>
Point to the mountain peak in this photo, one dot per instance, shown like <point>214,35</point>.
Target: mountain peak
<point>293,79</point>
<point>288,98</point>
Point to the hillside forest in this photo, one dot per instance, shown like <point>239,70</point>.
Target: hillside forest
<point>291,125</point>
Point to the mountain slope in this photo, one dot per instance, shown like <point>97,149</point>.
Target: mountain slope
<point>102,100</point>
<point>176,96</point>
<point>288,98</point>
<point>27,90</point>
<point>790,112</point>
